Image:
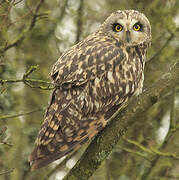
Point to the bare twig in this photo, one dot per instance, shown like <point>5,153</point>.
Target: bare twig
<point>135,152</point>
<point>140,146</point>
<point>165,154</point>
<point>152,150</point>
<point>35,14</point>
<point>29,82</point>
<point>6,143</point>
<point>15,3</point>
<point>7,171</point>
<point>4,117</point>
<point>19,39</point>
<point>79,21</point>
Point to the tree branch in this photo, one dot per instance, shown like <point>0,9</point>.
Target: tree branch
<point>30,82</point>
<point>4,117</point>
<point>7,171</point>
<point>152,150</point>
<point>103,144</point>
<point>79,21</point>
<point>35,15</point>
<point>135,152</point>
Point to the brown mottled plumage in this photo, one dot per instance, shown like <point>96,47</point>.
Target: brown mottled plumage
<point>95,77</point>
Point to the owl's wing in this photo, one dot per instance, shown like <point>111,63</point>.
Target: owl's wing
<point>84,63</point>
<point>72,71</point>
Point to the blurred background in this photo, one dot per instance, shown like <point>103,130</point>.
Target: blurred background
<point>37,32</point>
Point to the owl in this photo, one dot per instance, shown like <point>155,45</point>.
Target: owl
<point>95,78</point>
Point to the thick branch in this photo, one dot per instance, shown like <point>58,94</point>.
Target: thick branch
<point>103,144</point>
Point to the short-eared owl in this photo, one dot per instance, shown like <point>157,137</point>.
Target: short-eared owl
<point>95,77</point>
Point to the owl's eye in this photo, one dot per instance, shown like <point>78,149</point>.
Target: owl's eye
<point>137,27</point>
<point>117,27</point>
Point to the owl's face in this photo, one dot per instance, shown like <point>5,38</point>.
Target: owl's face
<point>129,27</point>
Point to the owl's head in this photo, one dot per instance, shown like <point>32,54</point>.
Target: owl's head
<point>129,27</point>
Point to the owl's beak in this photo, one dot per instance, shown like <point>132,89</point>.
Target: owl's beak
<point>128,37</point>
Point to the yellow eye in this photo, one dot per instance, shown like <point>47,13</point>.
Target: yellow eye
<point>118,27</point>
<point>137,27</point>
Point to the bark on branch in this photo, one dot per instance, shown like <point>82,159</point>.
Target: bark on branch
<point>103,144</point>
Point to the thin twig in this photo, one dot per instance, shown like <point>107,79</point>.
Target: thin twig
<point>34,18</point>
<point>135,152</point>
<point>29,82</point>
<point>19,39</point>
<point>7,171</point>
<point>140,146</point>
<point>152,150</point>
<point>79,21</point>
<point>4,117</point>
<point>6,143</point>
<point>165,154</point>
<point>15,3</point>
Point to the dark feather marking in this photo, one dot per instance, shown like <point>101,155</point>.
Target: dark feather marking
<point>100,127</point>
<point>111,111</point>
<point>103,52</point>
<point>84,140</point>
<point>90,61</point>
<point>82,57</point>
<point>128,74</point>
<point>52,98</point>
<point>55,75</point>
<point>130,86</point>
<point>83,134</point>
<point>128,49</point>
<point>139,54</point>
<point>118,44</point>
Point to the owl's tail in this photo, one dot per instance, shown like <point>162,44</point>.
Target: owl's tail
<point>62,131</point>
<point>39,162</point>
